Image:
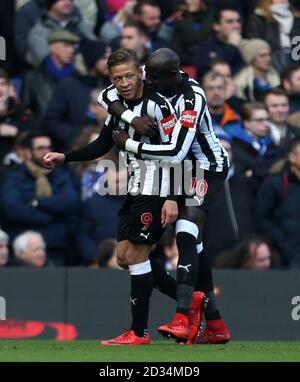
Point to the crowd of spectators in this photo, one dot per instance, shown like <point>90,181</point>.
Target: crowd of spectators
<point>243,55</point>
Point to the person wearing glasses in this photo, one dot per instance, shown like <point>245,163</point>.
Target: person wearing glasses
<point>253,149</point>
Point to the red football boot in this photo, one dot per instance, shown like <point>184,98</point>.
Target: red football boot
<point>177,328</point>
<point>216,332</point>
<point>127,338</point>
<point>198,302</point>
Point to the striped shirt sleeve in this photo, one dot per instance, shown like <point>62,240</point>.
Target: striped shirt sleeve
<point>183,134</point>
<point>108,96</point>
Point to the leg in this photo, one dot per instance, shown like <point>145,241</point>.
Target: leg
<point>141,286</point>
<point>187,317</point>
<point>216,330</point>
<point>135,257</point>
<point>138,219</point>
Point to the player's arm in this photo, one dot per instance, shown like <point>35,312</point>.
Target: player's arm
<point>109,99</point>
<point>93,150</point>
<point>182,136</point>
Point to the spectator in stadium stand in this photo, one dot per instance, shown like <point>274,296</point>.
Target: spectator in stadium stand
<point>161,33</point>
<point>194,27</point>
<point>4,251</point>
<point>96,115</point>
<point>253,150</point>
<point>14,118</point>
<point>27,16</point>
<point>60,14</point>
<point>134,36</point>
<point>30,250</point>
<point>39,83</point>
<point>223,44</point>
<point>99,215</point>
<point>253,253</point>
<point>274,22</point>
<point>290,79</point>
<point>232,218</point>
<point>223,116</point>
<point>106,255</point>
<point>19,154</point>
<point>279,208</point>
<point>35,198</point>
<point>281,131</point>
<point>112,28</point>
<point>69,105</point>
<point>223,68</point>
<point>258,76</point>
<point>88,173</point>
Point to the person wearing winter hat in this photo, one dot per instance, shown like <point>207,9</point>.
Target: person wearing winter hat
<point>60,7</point>
<point>39,83</point>
<point>259,76</point>
<point>95,55</point>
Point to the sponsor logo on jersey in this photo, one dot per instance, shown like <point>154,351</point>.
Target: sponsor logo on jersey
<point>168,124</point>
<point>188,118</point>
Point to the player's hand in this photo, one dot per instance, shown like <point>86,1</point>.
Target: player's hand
<point>169,212</point>
<point>52,159</point>
<point>144,126</point>
<point>120,137</point>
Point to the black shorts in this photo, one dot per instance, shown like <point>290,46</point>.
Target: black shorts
<point>140,219</point>
<point>209,187</point>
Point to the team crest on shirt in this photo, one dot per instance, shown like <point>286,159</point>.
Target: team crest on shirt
<point>168,124</point>
<point>188,118</point>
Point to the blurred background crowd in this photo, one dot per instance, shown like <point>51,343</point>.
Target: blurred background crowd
<point>245,55</point>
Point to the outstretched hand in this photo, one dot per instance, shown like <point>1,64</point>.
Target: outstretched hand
<point>144,125</point>
<point>120,137</point>
<point>52,159</point>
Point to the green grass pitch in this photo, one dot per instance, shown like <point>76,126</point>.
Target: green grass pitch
<point>157,351</point>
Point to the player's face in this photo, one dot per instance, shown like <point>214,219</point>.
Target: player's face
<point>127,79</point>
<point>158,80</point>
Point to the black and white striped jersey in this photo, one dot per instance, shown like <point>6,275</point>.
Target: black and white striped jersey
<point>192,137</point>
<point>146,176</point>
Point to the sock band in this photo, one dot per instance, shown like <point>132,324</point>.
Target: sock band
<point>199,247</point>
<point>183,225</point>
<point>140,269</point>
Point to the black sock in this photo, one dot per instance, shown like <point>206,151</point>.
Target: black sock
<point>187,270</point>
<point>141,289</point>
<point>210,311</point>
<point>163,281</point>
<point>205,284</point>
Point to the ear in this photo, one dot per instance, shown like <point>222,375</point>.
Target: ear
<point>291,158</point>
<point>286,84</point>
<point>246,124</point>
<point>216,27</point>
<point>140,71</point>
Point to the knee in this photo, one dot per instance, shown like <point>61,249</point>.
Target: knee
<point>125,260</point>
<point>122,261</point>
